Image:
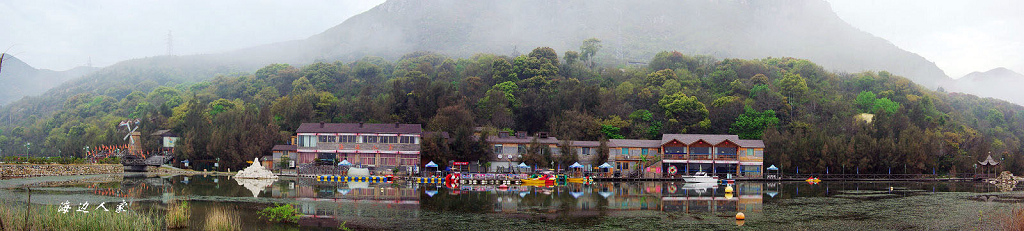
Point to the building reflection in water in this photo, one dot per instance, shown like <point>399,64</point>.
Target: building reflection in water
<point>325,204</point>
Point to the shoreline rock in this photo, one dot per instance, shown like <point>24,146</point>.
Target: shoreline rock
<point>31,170</point>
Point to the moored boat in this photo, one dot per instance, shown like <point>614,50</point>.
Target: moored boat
<point>700,177</point>
<point>581,180</point>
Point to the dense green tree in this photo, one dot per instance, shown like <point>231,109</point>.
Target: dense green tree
<point>793,86</point>
<point>658,78</point>
<point>590,48</point>
<point>546,54</point>
<point>886,105</point>
<point>685,110</point>
<point>751,124</point>
<point>866,101</point>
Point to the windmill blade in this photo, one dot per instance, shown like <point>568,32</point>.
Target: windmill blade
<point>127,136</point>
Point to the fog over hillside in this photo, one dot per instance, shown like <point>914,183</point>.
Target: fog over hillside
<point>630,31</point>
<point>1000,83</point>
<point>20,79</point>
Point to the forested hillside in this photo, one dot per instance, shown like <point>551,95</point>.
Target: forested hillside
<point>806,115</point>
<point>630,31</point>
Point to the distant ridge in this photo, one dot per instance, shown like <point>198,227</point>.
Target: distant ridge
<point>20,79</point>
<point>630,31</point>
<point>1000,83</point>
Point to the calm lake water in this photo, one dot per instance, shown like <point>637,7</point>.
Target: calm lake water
<point>599,206</point>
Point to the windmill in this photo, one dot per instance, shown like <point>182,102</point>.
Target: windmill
<point>129,137</point>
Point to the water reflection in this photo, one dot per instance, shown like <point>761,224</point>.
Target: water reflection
<point>390,205</point>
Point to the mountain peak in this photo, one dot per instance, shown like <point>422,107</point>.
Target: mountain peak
<point>996,74</point>
<point>13,63</point>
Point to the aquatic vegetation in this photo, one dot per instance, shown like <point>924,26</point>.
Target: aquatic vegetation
<point>222,219</point>
<point>280,213</point>
<point>1014,220</point>
<point>178,214</point>
<point>49,217</point>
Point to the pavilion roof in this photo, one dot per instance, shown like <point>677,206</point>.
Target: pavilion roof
<point>988,161</point>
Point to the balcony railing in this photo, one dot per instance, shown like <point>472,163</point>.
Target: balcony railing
<point>675,156</point>
<point>700,156</point>
<point>627,157</point>
<point>725,157</point>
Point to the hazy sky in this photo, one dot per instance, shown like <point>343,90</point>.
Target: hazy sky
<point>61,34</point>
<point>959,36</point>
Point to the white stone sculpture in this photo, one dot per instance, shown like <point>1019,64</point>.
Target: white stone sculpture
<point>255,171</point>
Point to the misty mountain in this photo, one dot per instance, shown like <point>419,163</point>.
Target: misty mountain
<point>1000,83</point>
<point>630,31</point>
<point>20,79</point>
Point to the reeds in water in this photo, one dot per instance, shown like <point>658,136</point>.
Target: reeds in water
<point>49,217</point>
<point>178,214</point>
<point>221,219</point>
<point>1014,220</point>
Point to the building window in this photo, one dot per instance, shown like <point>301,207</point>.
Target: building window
<point>700,150</point>
<point>586,151</point>
<point>370,139</point>
<point>497,149</point>
<point>387,139</point>
<point>307,141</point>
<point>522,149</point>
<point>406,140</point>
<point>675,150</point>
<point>367,160</point>
<point>643,151</point>
<point>750,152</point>
<point>759,153</point>
<point>625,151</point>
<point>347,139</point>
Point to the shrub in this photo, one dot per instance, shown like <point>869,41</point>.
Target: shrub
<point>280,213</point>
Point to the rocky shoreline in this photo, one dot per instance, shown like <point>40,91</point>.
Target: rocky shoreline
<point>30,170</point>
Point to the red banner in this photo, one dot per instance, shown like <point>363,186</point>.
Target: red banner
<point>460,163</point>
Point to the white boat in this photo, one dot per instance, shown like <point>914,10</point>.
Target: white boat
<point>700,185</point>
<point>700,177</point>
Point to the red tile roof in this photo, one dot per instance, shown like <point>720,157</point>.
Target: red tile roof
<point>281,147</point>
<point>524,140</point>
<point>359,128</point>
<point>714,139</point>
<point>630,143</point>
<point>750,143</point>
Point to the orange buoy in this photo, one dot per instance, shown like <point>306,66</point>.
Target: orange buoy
<point>740,216</point>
